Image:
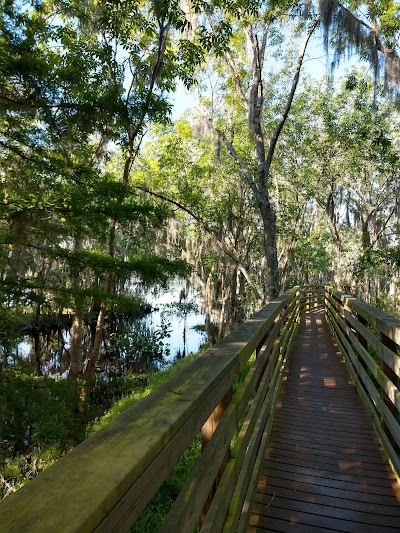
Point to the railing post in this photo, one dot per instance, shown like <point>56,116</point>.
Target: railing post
<point>391,374</point>
<point>262,342</point>
<point>361,339</point>
<point>307,296</point>
<point>207,432</point>
<point>359,335</point>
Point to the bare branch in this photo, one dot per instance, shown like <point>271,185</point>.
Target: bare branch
<point>281,123</point>
<point>380,232</point>
<point>221,245</point>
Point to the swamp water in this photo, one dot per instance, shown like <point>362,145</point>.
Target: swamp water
<point>173,329</point>
<point>186,322</point>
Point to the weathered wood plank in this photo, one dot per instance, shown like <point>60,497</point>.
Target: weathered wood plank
<point>311,468</point>
<point>242,466</point>
<point>364,378</point>
<point>385,323</point>
<point>104,483</point>
<point>387,355</point>
<point>216,516</point>
<point>98,478</point>
<point>250,472</point>
<point>242,513</point>
<point>372,407</point>
<point>387,385</point>
<point>185,510</point>
<point>187,507</point>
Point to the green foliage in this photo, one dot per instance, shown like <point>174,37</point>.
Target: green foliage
<point>139,350</point>
<point>143,384</point>
<point>150,268</point>
<point>37,411</point>
<point>14,473</point>
<point>157,509</point>
<point>12,323</point>
<point>40,419</point>
<point>79,84</point>
<point>180,309</point>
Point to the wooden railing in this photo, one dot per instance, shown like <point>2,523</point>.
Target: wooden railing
<point>369,339</point>
<point>104,483</point>
<point>312,298</point>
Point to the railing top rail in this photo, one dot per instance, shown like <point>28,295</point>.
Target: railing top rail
<point>82,488</point>
<point>382,321</point>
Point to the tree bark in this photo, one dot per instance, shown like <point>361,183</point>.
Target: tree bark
<point>270,251</point>
<point>37,345</point>
<point>95,351</point>
<point>259,185</point>
<point>77,324</point>
<point>76,348</point>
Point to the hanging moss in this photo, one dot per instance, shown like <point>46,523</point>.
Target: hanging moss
<point>348,34</point>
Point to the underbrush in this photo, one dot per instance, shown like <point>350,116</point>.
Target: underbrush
<point>154,514</point>
<point>41,418</point>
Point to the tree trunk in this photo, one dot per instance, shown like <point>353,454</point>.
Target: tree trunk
<point>76,348</point>
<point>270,250</point>
<point>98,335</point>
<point>95,351</point>
<point>233,303</point>
<point>365,235</point>
<point>256,45</point>
<point>37,346</point>
<point>94,355</point>
<point>77,325</point>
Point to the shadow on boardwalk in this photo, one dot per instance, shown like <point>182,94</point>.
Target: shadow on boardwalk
<point>324,469</point>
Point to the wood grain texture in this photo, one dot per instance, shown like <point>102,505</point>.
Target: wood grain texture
<point>382,321</point>
<point>105,482</point>
<point>324,469</point>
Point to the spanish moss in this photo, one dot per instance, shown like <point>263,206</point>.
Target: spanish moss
<point>348,35</point>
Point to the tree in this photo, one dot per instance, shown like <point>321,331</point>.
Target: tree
<point>64,98</point>
<point>345,167</point>
<point>214,226</point>
<point>242,101</point>
<point>369,28</point>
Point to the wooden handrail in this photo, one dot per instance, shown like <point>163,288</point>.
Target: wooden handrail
<point>312,298</point>
<point>369,339</point>
<point>104,483</point>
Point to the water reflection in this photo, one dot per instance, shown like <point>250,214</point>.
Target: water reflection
<point>180,307</point>
<point>174,328</point>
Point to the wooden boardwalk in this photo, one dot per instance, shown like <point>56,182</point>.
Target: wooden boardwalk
<point>324,469</point>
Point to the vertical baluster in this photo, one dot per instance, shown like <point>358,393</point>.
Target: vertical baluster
<point>363,341</point>
<point>391,374</point>
<point>206,434</point>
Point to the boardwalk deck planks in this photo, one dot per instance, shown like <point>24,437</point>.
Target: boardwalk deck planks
<point>305,458</point>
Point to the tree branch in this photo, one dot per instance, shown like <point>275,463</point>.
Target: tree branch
<point>236,79</point>
<point>380,232</point>
<point>274,139</point>
<point>243,168</point>
<point>210,231</point>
